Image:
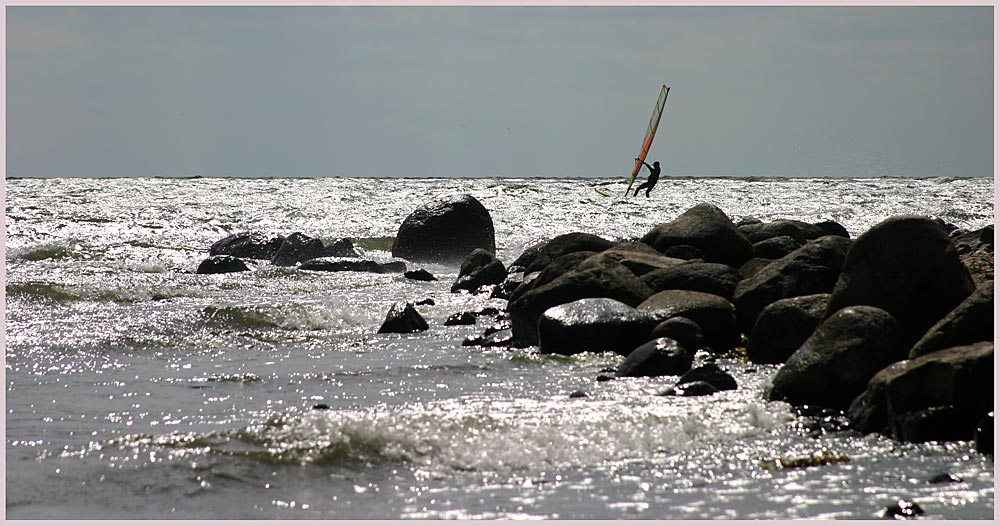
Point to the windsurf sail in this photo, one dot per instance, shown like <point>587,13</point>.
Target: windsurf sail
<point>647,141</point>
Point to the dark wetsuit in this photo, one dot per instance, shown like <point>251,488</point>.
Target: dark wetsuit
<point>654,176</point>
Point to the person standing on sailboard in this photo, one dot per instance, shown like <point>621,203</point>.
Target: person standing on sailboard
<point>654,176</point>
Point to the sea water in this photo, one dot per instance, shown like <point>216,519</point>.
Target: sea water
<point>136,388</point>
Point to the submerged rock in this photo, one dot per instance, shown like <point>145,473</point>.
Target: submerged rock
<point>419,275</point>
<point>344,265</point>
<point>461,318</point>
<point>445,230</point>
<point>592,325</point>
<point>221,265</point>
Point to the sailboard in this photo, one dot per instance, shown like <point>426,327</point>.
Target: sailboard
<point>647,141</point>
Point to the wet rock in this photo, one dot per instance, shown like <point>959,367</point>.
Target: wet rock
<point>605,279</point>
<point>461,318</point>
<point>502,338</point>
<point>392,267</point>
<point>976,251</point>
<point>565,244</point>
<point>907,266</point>
<point>797,230</point>
<point>340,248</point>
<point>510,283</point>
<point>592,325</point>
<point>714,278</point>
<point>812,269</point>
<point>695,388</point>
<point>776,247</point>
<point>784,326</point>
<point>707,228</point>
<point>426,301</point>
<point>983,438</point>
<point>685,252</point>
<point>834,365</point>
<point>343,265</point>
<point>321,407</point>
<point>479,268</point>
<point>298,248</point>
<point>938,396</point>
<point>604,378</point>
<point>713,314</point>
<point>578,394</point>
<point>445,230</point>
<point>419,275</point>
<point>221,265</point>
<point>902,509</point>
<point>520,264</point>
<point>660,357</point>
<point>944,478</point>
<point>970,322</point>
<point>248,245</point>
<point>403,318</point>
<point>711,374</point>
<point>679,328</point>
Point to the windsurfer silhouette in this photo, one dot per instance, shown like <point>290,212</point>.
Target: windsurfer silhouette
<point>654,176</point>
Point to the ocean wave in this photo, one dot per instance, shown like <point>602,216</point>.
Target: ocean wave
<point>40,290</point>
<point>293,316</point>
<point>43,251</point>
<point>486,437</point>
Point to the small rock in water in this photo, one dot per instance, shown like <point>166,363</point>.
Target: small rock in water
<point>321,407</point>
<point>578,394</point>
<point>711,374</point>
<point>461,318</point>
<point>221,265</point>
<point>419,275</point>
<point>472,341</point>
<point>698,388</point>
<point>604,378</point>
<point>944,477</point>
<point>428,301</point>
<point>902,509</point>
<point>403,318</point>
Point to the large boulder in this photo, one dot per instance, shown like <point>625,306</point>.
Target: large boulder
<point>938,396</point>
<point>835,364</point>
<point>706,228</point>
<point>714,314</point>
<point>403,318</point>
<point>832,228</point>
<point>248,245</point>
<point>908,266</point>
<point>603,279</point>
<point>561,245</point>
<point>479,268</point>
<point>784,326</point>
<point>798,230</point>
<point>659,357</point>
<point>221,265</point>
<point>445,230</point>
<point>593,325</point>
<point>714,278</point>
<point>970,322</point>
<point>812,269</point>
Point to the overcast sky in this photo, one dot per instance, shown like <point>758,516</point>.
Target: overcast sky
<point>498,91</point>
